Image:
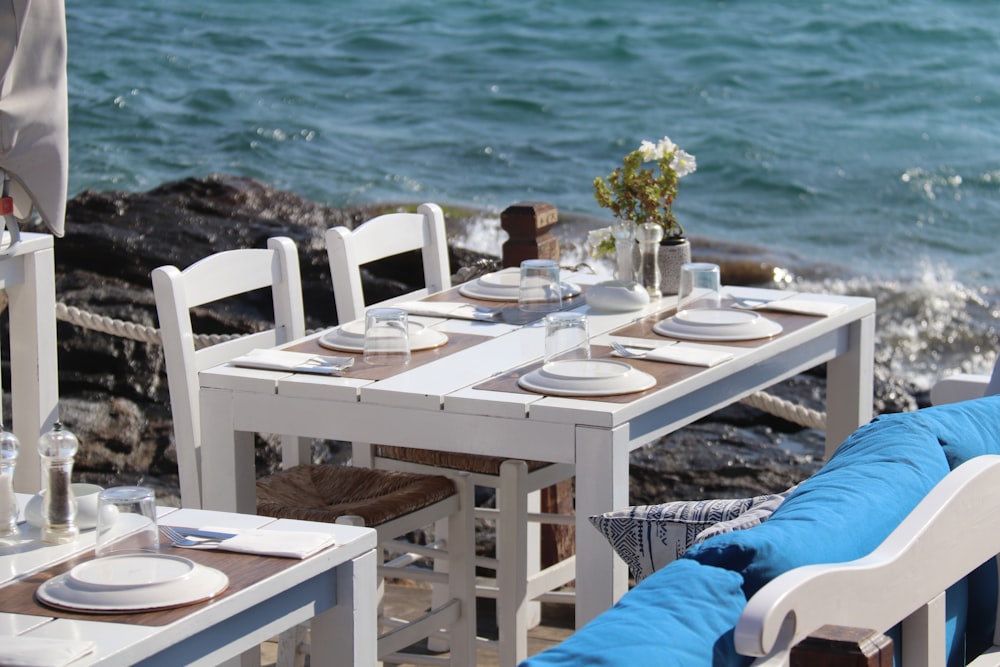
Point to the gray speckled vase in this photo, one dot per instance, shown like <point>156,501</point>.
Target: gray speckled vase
<point>673,253</point>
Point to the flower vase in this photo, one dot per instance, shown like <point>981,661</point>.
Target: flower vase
<point>649,236</point>
<point>673,254</point>
<point>624,234</point>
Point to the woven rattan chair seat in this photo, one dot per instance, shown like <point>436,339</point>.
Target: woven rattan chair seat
<point>476,463</point>
<point>326,492</point>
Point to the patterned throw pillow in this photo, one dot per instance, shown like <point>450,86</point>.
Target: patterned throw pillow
<point>647,537</point>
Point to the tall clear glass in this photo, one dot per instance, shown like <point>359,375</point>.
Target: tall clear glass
<point>649,235</point>
<point>624,233</point>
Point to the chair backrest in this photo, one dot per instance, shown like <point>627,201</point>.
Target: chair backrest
<point>217,277</point>
<point>385,236</point>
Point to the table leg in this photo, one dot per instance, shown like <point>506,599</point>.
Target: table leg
<point>34,372</point>
<point>228,478</point>
<point>347,634</point>
<point>602,484</point>
<point>850,380</point>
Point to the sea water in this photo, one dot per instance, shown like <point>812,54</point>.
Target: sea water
<point>862,136</point>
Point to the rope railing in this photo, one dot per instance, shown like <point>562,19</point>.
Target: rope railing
<point>769,403</point>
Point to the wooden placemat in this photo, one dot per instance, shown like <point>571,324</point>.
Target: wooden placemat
<point>510,313</point>
<point>456,342</point>
<point>666,374</point>
<point>243,571</point>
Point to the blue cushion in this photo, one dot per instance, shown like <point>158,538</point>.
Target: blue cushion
<point>682,615</point>
<point>876,477</point>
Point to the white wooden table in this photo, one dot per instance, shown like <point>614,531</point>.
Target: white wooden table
<point>438,406</point>
<point>336,588</point>
<point>28,277</point>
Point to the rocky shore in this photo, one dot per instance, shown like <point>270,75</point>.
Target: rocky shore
<point>113,391</point>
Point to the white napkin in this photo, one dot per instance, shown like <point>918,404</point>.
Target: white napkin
<point>22,651</point>
<point>803,306</point>
<point>683,354</point>
<point>283,360</point>
<point>453,310</point>
<point>282,543</point>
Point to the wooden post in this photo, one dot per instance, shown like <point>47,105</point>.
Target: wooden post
<point>838,646</point>
<point>528,225</point>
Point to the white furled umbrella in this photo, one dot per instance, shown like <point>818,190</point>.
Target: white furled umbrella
<point>34,118</point>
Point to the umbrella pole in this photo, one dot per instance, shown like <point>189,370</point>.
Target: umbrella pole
<point>9,221</point>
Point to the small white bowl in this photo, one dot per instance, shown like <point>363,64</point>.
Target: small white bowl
<point>616,296</point>
<point>86,506</point>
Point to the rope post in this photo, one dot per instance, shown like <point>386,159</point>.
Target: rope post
<point>528,226</point>
<point>838,646</point>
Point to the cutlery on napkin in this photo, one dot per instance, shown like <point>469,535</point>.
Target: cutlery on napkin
<point>683,354</point>
<point>281,543</point>
<point>453,310</point>
<point>297,362</point>
<point>794,303</point>
<point>23,651</point>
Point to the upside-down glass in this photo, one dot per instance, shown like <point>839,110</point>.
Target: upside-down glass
<point>126,521</point>
<point>387,336</point>
<point>540,290</point>
<point>566,336</point>
<point>700,286</point>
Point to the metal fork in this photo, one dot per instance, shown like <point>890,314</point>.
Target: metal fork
<point>183,541</point>
<point>625,352</point>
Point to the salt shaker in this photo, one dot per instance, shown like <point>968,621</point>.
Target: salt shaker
<point>9,449</point>
<point>57,448</point>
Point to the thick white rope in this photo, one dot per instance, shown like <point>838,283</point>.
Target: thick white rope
<point>769,403</point>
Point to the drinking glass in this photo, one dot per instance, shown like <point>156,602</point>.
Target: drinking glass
<point>540,290</point>
<point>566,336</point>
<point>126,521</point>
<point>387,336</point>
<point>700,287</point>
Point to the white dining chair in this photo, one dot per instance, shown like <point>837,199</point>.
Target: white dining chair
<point>520,583</point>
<point>395,504</point>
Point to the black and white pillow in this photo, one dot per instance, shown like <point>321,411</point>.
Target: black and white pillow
<point>647,537</point>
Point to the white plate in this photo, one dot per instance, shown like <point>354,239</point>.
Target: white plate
<point>131,570</point>
<point>506,278</point>
<point>717,317</point>
<point>65,592</point>
<point>759,328</point>
<point>586,377</point>
<point>347,338</point>
<point>478,290</point>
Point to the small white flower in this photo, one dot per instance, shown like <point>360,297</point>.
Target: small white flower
<point>597,236</point>
<point>665,147</point>
<point>683,163</point>
<point>648,150</point>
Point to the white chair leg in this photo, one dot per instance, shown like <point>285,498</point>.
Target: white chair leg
<point>440,593</point>
<point>295,451</point>
<point>533,552</point>
<point>462,574</point>
<point>512,568</point>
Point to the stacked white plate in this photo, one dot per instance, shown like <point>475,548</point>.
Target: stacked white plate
<point>717,324</point>
<point>504,285</point>
<point>133,582</point>
<point>586,377</point>
<point>351,337</point>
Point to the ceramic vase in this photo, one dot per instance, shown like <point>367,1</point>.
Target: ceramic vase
<point>673,253</point>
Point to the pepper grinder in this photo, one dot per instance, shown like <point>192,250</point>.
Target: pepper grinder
<point>57,448</point>
<point>9,449</point>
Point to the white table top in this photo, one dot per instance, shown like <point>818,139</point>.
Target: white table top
<point>123,643</point>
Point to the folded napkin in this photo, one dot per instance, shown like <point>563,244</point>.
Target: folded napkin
<point>23,651</point>
<point>298,362</point>
<point>683,354</point>
<point>803,306</point>
<point>282,543</point>
<point>452,310</point>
